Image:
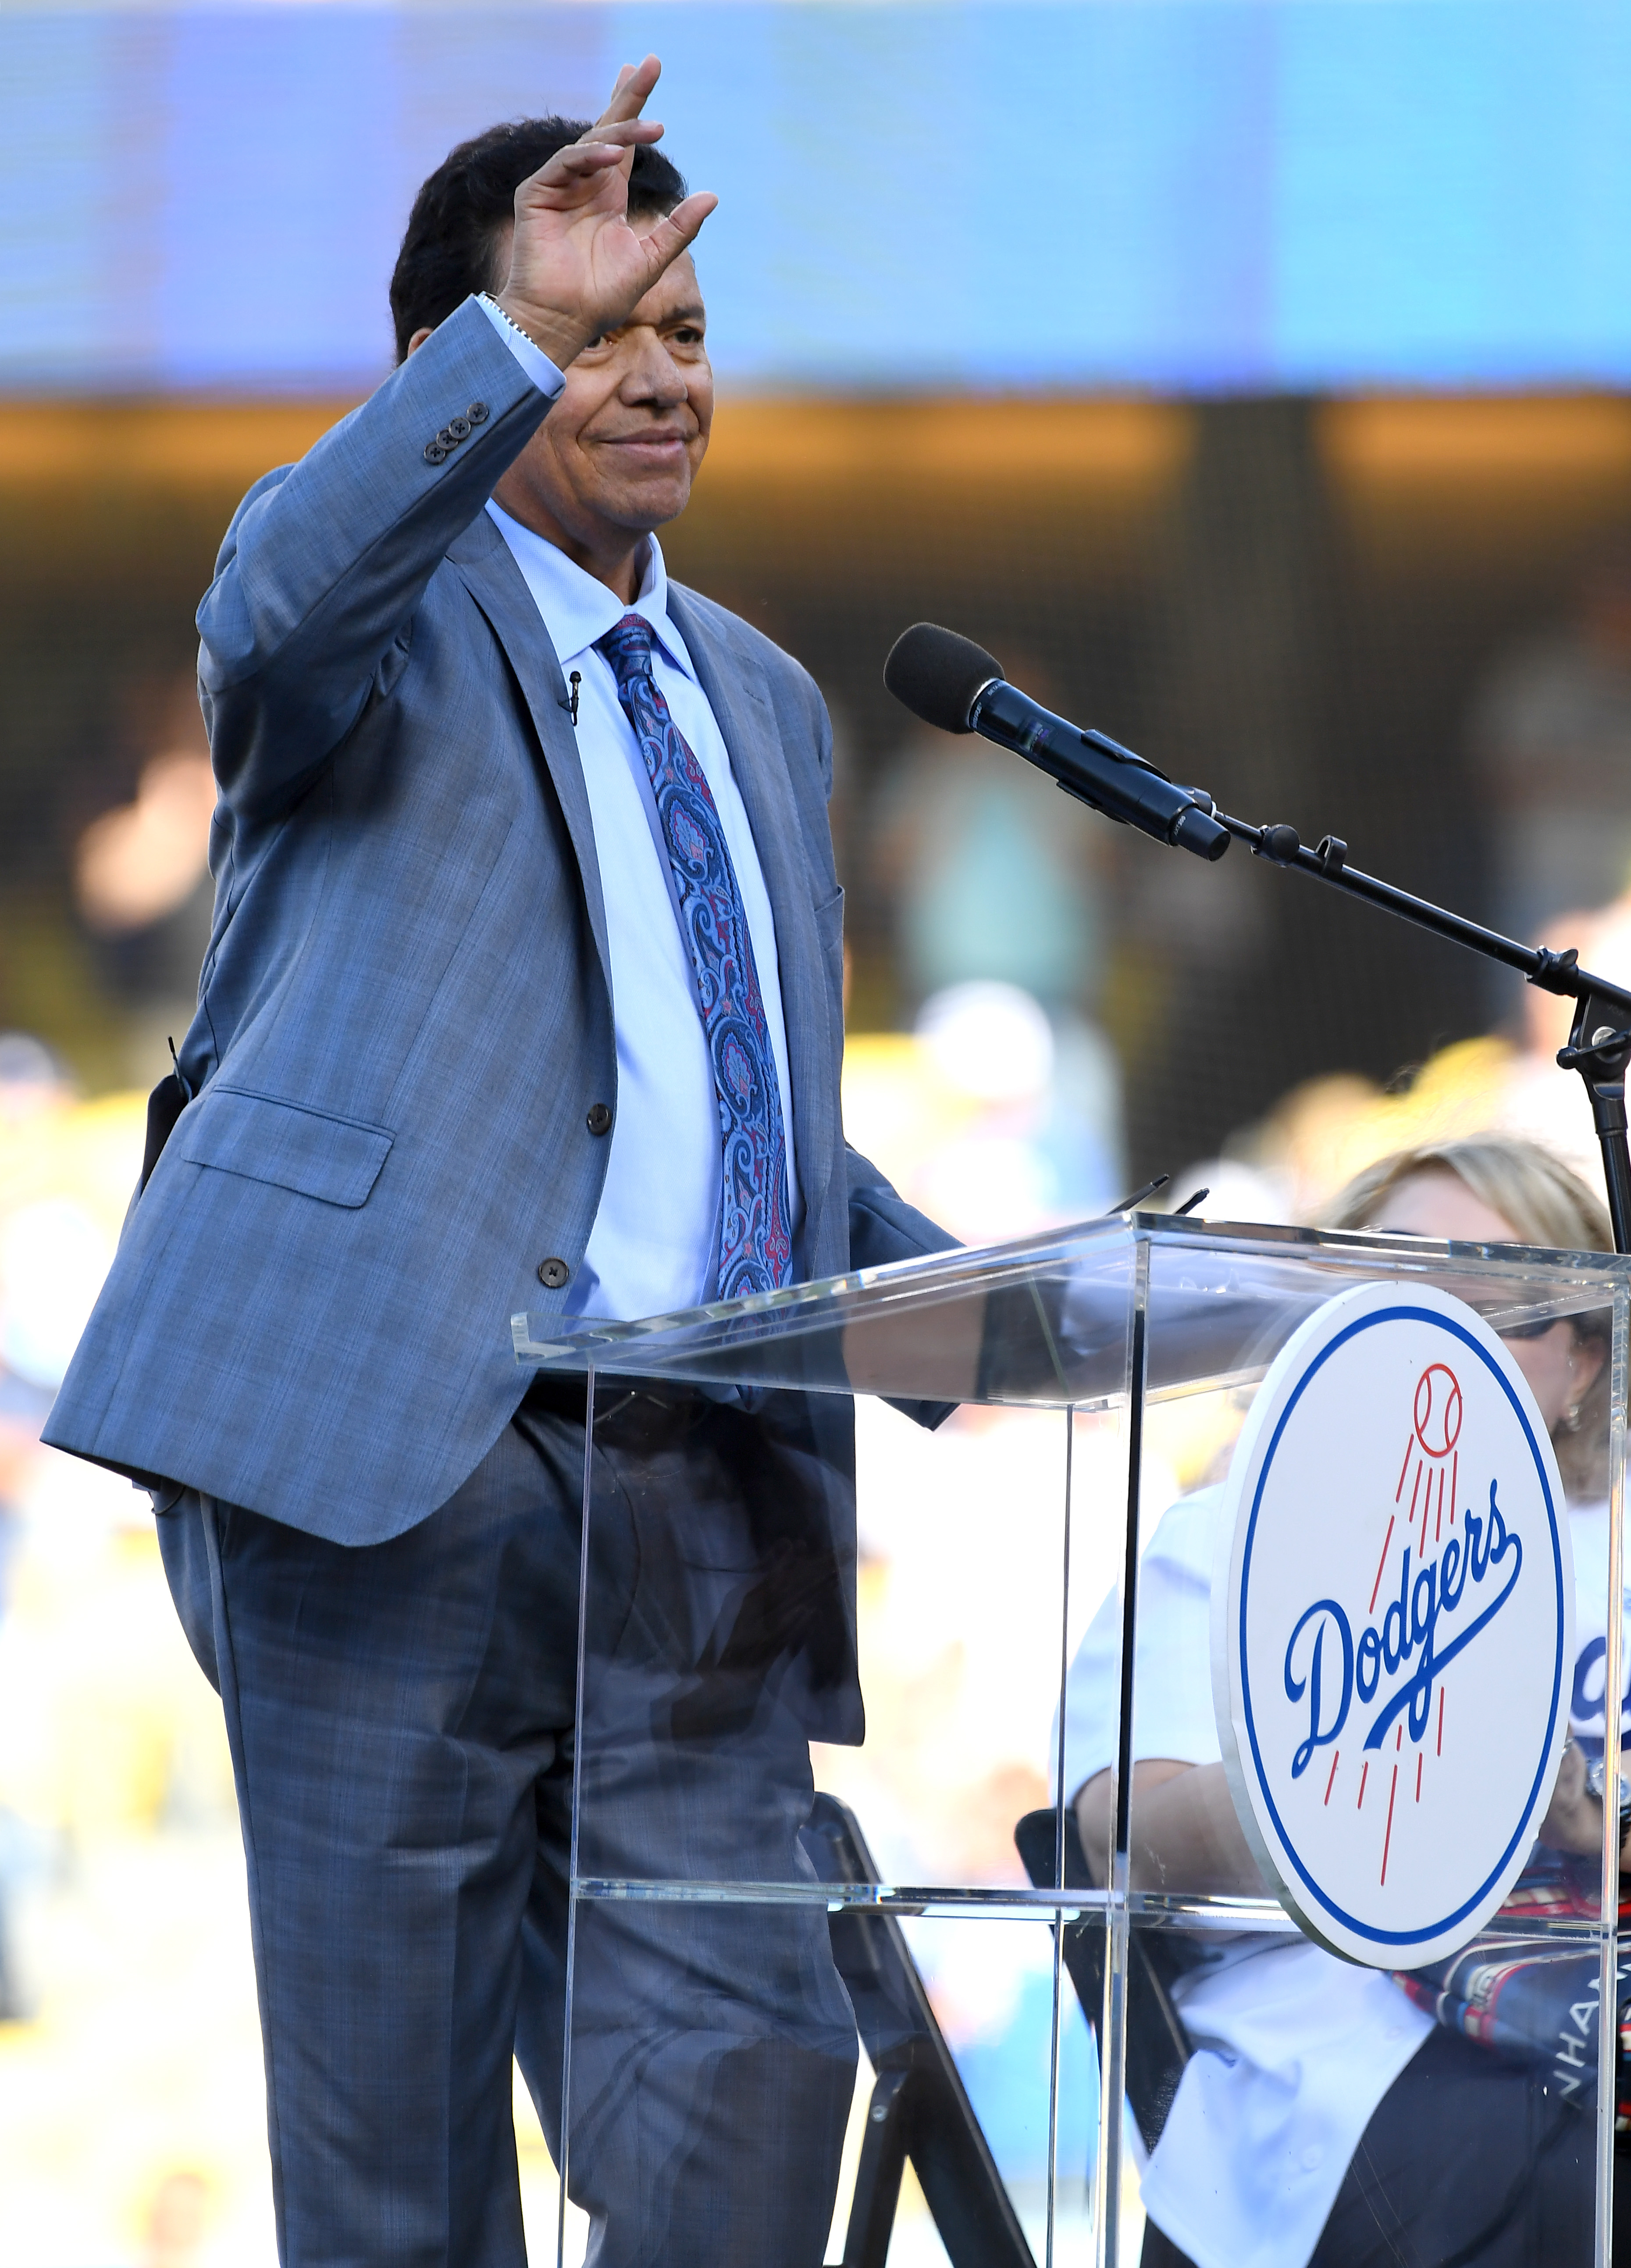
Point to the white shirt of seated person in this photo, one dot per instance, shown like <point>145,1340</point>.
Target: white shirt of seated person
<point>1294,2048</point>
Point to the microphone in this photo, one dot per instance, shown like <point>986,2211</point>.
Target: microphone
<point>950,682</point>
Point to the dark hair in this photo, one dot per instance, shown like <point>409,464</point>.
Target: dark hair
<point>452,231</point>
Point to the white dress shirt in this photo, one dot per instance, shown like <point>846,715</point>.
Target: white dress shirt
<point>654,1246</point>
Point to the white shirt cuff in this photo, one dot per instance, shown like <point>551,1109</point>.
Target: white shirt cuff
<point>532,358</point>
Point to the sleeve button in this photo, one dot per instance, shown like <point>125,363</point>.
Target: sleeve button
<point>435,454</point>
<point>599,1118</point>
<point>552,1274</point>
<point>447,438</point>
<point>457,429</point>
<point>478,413</point>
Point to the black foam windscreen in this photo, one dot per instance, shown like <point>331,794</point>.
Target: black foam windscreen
<point>936,675</point>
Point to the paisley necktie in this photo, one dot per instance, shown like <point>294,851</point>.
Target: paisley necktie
<point>755,1232</point>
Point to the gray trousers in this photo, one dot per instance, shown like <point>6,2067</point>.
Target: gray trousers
<point>401,1723</point>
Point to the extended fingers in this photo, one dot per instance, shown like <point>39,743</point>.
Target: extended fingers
<point>635,83</point>
<point>620,135</point>
<point>581,160</point>
<point>671,235</point>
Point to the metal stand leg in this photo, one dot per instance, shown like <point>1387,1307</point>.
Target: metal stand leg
<point>877,2178</point>
<point>919,2108</point>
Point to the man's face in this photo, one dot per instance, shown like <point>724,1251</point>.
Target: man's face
<point>617,453</point>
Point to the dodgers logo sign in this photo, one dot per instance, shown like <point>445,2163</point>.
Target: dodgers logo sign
<point>1393,1624</point>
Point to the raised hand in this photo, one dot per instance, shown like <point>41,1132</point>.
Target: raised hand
<point>577,268</point>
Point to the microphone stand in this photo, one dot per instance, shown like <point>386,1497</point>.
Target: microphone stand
<point>1599,1039</point>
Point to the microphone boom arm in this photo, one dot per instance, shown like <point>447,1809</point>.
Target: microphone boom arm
<point>1599,1039</point>
<point>952,684</point>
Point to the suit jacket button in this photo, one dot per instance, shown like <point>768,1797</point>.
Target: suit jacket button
<point>599,1118</point>
<point>552,1274</point>
<point>478,413</point>
<point>435,454</point>
<point>457,429</point>
<point>448,439</point>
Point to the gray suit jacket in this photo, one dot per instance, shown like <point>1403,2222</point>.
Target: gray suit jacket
<point>405,1012</point>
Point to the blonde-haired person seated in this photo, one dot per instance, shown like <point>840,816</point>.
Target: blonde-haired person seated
<point>1324,2120</point>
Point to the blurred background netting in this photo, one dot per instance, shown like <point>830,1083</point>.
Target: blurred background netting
<point>1251,377</point>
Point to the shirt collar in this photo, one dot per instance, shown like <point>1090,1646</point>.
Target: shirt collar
<point>577,608</point>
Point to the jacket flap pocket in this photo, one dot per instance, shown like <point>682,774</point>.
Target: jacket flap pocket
<point>337,1159</point>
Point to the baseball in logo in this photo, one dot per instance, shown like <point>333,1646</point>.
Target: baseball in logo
<point>1393,1618</point>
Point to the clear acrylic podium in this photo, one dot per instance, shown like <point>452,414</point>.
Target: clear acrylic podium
<point>841,1546</point>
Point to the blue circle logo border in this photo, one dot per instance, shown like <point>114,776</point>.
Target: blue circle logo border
<point>1337,1913</point>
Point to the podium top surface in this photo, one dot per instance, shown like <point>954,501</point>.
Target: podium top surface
<point>1050,1322</point>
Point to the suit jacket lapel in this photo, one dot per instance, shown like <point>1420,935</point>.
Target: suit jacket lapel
<point>741,700</point>
<point>482,559</point>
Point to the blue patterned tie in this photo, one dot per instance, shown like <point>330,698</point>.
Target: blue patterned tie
<point>755,1232</point>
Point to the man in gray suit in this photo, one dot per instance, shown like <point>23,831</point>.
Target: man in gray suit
<point>524,991</point>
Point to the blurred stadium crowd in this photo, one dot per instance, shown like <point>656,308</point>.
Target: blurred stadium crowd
<point>1405,616</point>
